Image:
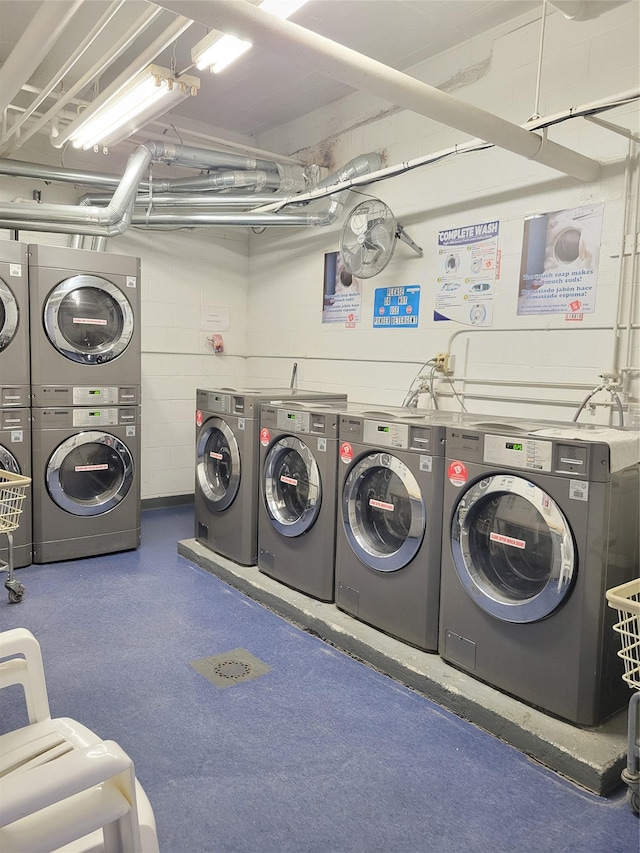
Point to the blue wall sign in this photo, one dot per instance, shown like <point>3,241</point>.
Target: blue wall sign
<point>396,307</point>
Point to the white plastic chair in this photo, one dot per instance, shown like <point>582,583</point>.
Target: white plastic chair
<point>62,788</point>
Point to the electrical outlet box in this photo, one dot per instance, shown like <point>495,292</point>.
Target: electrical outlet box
<point>444,362</point>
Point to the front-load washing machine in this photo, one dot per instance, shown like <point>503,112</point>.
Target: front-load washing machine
<point>536,527</point>
<point>86,481</point>
<point>15,456</point>
<point>227,480</point>
<point>14,325</point>
<point>85,327</point>
<point>297,508</point>
<point>389,522</point>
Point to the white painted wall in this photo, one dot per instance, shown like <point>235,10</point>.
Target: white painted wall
<point>582,61</point>
<point>272,282</point>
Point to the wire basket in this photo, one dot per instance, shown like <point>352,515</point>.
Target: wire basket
<point>626,600</point>
<point>12,494</point>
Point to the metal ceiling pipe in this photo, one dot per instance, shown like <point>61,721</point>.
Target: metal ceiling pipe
<point>58,174</point>
<point>341,63</point>
<point>42,32</point>
<point>202,158</point>
<point>109,221</point>
<point>115,218</point>
<point>48,88</point>
<point>248,201</point>
<point>125,41</point>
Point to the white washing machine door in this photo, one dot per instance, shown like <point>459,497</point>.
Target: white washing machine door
<point>8,315</point>
<point>291,486</point>
<point>89,473</point>
<point>383,512</point>
<point>88,319</point>
<point>218,468</point>
<point>8,461</point>
<point>513,549</point>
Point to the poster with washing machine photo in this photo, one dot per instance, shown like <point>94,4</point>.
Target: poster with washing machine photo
<point>559,266</point>
<point>341,292</point>
<point>468,267</point>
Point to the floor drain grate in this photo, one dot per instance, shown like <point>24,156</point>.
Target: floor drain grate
<point>230,668</point>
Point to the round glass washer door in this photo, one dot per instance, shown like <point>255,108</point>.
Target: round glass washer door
<point>218,468</point>
<point>90,473</point>
<point>512,548</point>
<point>88,319</point>
<point>383,512</point>
<point>8,315</point>
<point>292,488</point>
<point>8,461</point>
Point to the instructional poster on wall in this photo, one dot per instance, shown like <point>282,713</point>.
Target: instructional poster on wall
<point>341,292</point>
<point>559,267</point>
<point>468,266</point>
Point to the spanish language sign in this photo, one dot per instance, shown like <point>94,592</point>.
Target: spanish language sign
<point>342,295</point>
<point>559,266</point>
<point>396,307</point>
<point>468,266</point>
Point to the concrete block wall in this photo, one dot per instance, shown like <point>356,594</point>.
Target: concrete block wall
<point>582,61</point>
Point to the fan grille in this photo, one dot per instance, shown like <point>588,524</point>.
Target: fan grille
<point>368,238</point>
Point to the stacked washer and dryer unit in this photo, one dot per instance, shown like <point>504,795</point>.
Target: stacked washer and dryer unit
<point>15,380</point>
<point>85,385</point>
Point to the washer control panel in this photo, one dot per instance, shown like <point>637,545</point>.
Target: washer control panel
<point>518,452</point>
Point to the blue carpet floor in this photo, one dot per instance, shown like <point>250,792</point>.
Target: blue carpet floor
<point>320,755</point>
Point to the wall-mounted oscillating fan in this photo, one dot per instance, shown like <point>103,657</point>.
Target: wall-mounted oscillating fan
<point>369,238</point>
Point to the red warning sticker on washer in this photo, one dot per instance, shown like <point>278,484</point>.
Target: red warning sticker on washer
<point>90,321</point>
<point>215,455</point>
<point>198,417</point>
<point>381,505</point>
<point>457,473</point>
<point>507,540</point>
<point>91,468</point>
<point>288,480</point>
<point>265,436</point>
<point>346,452</point>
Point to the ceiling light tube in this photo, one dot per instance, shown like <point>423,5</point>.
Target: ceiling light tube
<point>150,94</point>
<point>216,50</point>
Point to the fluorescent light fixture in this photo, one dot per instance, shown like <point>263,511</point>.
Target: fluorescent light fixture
<point>147,96</point>
<point>216,51</point>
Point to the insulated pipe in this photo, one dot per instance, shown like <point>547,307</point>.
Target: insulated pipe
<point>202,158</point>
<point>222,180</point>
<point>42,32</point>
<point>341,63</point>
<point>246,202</point>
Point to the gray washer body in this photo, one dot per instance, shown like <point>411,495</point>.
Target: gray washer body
<point>401,598</point>
<point>86,482</point>
<point>297,508</point>
<point>564,662</point>
<point>227,478</point>
<point>15,375</point>
<point>15,456</point>
<point>64,371</point>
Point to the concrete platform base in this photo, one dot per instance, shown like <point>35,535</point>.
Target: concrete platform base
<point>592,758</point>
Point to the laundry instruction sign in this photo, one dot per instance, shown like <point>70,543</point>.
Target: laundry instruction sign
<point>559,264</point>
<point>468,265</point>
<point>396,307</point>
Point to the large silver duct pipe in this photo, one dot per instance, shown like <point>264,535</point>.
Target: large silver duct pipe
<point>341,63</point>
<point>201,158</point>
<point>257,180</point>
<point>214,200</point>
<point>115,218</point>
